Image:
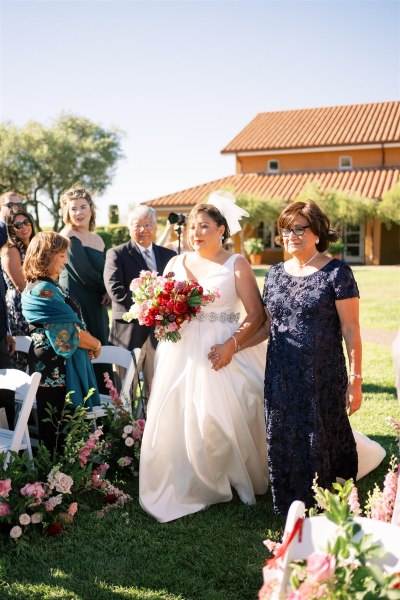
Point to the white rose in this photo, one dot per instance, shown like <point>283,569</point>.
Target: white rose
<point>15,532</point>
<point>124,436</point>
<point>36,518</point>
<point>63,483</point>
<point>24,519</point>
<point>128,429</point>
<point>129,441</point>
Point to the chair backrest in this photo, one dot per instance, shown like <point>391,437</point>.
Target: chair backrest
<point>121,358</point>
<point>22,343</point>
<point>25,387</point>
<point>317,531</point>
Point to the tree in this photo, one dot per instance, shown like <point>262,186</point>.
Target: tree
<point>41,162</point>
<point>341,207</point>
<point>389,208</point>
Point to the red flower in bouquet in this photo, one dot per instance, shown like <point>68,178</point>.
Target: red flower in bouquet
<point>166,304</point>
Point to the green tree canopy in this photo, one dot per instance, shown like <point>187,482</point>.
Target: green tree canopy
<point>341,207</point>
<point>389,208</point>
<point>40,162</point>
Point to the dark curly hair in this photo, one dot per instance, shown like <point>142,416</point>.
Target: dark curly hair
<point>319,222</point>
<point>214,213</point>
<point>13,240</point>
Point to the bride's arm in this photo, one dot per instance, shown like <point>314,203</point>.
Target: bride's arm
<point>248,333</point>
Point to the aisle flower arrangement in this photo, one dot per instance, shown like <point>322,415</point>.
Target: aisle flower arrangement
<point>345,568</point>
<point>165,303</point>
<point>49,491</point>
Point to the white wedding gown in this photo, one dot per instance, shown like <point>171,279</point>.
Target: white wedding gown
<point>205,430</point>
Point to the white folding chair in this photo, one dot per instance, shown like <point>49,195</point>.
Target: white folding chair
<point>119,358</point>
<point>317,531</point>
<point>22,343</point>
<point>25,387</point>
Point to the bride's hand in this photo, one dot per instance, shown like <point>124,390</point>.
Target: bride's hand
<point>220,355</point>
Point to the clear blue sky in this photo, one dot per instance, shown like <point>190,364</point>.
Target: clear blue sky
<point>182,78</point>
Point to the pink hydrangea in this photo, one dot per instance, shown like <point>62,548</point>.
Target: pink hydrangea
<point>5,487</point>
<point>33,490</point>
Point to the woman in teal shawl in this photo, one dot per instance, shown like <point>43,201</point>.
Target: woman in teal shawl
<point>61,346</point>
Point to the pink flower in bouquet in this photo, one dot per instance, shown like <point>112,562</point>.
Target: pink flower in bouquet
<point>33,490</point>
<point>73,509</point>
<point>321,566</point>
<point>4,509</point>
<point>165,303</point>
<point>15,532</point>
<point>5,487</point>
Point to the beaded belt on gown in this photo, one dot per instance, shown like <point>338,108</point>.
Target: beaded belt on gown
<point>223,317</point>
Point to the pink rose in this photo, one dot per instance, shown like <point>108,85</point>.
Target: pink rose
<point>4,509</point>
<point>36,518</point>
<point>321,566</point>
<point>33,490</point>
<point>24,519</point>
<point>5,487</point>
<point>62,483</point>
<point>15,532</point>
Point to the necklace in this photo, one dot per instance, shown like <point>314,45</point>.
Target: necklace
<point>302,265</point>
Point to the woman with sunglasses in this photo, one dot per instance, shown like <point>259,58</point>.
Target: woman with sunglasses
<point>313,303</point>
<point>20,231</point>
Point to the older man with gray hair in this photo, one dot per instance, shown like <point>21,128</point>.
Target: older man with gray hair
<point>123,264</point>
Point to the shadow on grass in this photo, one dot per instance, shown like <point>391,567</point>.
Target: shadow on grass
<point>376,388</point>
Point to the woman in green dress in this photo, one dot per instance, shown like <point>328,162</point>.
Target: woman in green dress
<point>83,274</point>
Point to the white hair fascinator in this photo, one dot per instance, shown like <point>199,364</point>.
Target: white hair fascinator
<point>226,204</point>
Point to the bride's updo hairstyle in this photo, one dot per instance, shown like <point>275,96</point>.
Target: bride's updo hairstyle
<point>317,219</point>
<point>212,212</point>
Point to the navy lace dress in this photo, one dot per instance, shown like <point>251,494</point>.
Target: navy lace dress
<point>308,430</point>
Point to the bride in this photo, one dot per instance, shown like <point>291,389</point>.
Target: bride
<point>205,430</point>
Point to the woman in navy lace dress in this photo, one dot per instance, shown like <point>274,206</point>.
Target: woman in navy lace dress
<point>313,302</point>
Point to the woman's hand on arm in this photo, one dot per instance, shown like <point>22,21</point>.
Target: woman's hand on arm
<point>12,265</point>
<point>348,311</point>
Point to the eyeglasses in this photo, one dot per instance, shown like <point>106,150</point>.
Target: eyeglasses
<point>14,204</point>
<point>298,230</point>
<point>20,224</point>
<point>137,227</point>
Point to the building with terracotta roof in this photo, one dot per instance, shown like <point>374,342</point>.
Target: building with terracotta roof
<point>354,149</point>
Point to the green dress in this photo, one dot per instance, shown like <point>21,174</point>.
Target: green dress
<point>82,276</point>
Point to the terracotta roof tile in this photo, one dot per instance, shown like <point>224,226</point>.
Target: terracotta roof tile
<point>356,124</point>
<point>370,182</point>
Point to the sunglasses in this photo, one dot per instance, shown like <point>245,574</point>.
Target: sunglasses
<point>80,193</point>
<point>20,224</point>
<point>298,230</point>
<point>14,204</point>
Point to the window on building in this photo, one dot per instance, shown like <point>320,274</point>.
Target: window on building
<point>345,162</point>
<point>267,232</point>
<point>273,166</point>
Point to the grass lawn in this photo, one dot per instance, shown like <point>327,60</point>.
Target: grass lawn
<point>216,554</point>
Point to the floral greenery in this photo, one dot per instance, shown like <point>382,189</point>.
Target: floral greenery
<point>344,570</point>
<point>254,245</point>
<point>50,489</point>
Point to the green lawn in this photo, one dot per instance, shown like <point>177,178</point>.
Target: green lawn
<point>216,554</point>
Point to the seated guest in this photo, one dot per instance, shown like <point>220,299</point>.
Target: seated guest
<point>61,346</point>
<point>123,264</point>
<point>20,229</point>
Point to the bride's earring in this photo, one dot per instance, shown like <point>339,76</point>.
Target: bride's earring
<point>317,241</point>
<point>221,237</point>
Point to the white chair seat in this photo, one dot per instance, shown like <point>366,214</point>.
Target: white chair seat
<point>119,357</point>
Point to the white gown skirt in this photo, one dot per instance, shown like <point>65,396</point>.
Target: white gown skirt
<point>205,430</point>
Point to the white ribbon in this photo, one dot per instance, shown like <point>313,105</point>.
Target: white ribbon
<point>226,204</point>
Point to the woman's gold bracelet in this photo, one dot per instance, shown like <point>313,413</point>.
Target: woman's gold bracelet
<point>237,346</point>
<point>356,376</point>
<point>98,347</point>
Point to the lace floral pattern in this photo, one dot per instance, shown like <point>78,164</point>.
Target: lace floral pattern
<point>308,430</point>
<point>223,317</point>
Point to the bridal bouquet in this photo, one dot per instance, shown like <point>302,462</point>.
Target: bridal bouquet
<point>166,303</point>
